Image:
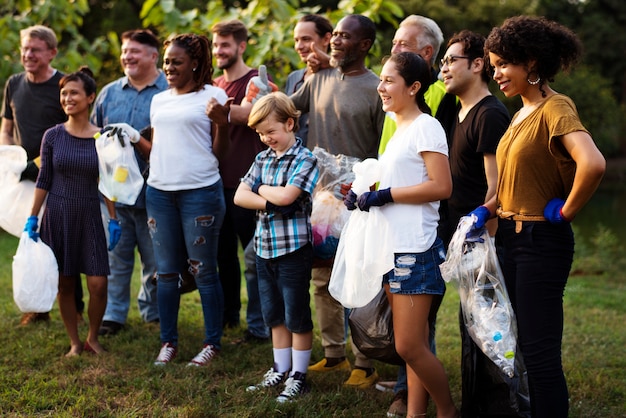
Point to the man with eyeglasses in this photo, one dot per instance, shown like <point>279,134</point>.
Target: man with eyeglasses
<point>31,105</point>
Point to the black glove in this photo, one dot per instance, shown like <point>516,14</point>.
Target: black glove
<point>287,211</point>
<point>30,172</point>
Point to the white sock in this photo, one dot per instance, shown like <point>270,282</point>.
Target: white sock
<point>300,360</point>
<point>282,359</point>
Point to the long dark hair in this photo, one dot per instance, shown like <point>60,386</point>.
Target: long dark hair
<point>198,47</point>
<point>412,68</point>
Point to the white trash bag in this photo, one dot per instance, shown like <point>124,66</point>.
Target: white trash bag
<point>120,177</point>
<point>16,197</point>
<point>35,276</point>
<point>365,251</point>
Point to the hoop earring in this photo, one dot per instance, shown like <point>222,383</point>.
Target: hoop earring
<point>533,82</point>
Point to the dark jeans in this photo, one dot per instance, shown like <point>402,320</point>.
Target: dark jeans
<point>238,226</point>
<point>536,266</point>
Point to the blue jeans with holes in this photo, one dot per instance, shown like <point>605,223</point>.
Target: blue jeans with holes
<point>185,227</point>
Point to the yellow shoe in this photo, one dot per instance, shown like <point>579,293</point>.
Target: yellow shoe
<point>358,379</point>
<point>320,366</point>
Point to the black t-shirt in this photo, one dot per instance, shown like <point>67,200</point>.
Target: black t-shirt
<point>33,108</point>
<point>478,134</point>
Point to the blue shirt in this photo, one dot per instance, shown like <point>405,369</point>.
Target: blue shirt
<point>119,102</point>
<point>276,235</point>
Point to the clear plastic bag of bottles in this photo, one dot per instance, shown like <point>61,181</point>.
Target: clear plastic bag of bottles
<point>472,266</point>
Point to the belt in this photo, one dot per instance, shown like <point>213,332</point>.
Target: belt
<point>518,218</point>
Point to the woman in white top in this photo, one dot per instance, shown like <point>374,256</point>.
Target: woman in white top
<point>415,176</point>
<point>184,197</point>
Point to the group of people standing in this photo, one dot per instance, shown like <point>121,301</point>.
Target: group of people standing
<point>447,148</point>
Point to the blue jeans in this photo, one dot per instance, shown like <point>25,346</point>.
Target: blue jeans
<point>134,223</point>
<point>254,315</point>
<point>537,261</point>
<point>185,227</point>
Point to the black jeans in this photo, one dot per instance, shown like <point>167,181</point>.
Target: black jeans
<point>537,261</point>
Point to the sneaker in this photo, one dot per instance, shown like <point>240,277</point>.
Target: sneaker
<point>385,385</point>
<point>294,387</point>
<point>204,357</point>
<point>398,405</point>
<point>249,337</point>
<point>270,379</point>
<point>360,380</point>
<point>168,353</point>
<point>322,366</point>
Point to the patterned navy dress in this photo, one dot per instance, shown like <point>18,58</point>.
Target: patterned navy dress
<point>72,223</point>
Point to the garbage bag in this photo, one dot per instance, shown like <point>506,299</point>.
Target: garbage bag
<point>35,276</point>
<point>120,177</point>
<point>371,327</point>
<point>472,265</point>
<point>365,249</point>
<point>329,214</point>
<point>16,197</point>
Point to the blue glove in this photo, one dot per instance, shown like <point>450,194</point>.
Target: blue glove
<point>553,212</point>
<point>482,215</point>
<point>115,233</point>
<point>474,235</point>
<point>375,198</point>
<point>31,227</point>
<point>286,211</point>
<point>256,185</point>
<point>350,200</point>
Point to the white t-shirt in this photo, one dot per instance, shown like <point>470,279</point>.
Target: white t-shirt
<point>414,226</point>
<point>182,147</point>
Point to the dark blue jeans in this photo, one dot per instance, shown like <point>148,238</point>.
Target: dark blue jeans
<point>185,227</point>
<point>537,261</point>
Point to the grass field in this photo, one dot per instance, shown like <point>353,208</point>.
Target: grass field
<point>35,379</point>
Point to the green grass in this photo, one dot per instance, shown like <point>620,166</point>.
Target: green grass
<point>35,379</point>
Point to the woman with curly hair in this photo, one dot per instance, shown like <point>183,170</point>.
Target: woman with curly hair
<point>184,197</point>
<point>548,168</point>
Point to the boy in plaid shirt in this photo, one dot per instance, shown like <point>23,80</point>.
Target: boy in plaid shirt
<point>279,185</point>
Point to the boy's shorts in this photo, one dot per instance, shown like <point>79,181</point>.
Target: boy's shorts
<point>284,290</point>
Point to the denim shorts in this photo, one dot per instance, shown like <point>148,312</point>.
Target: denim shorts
<point>418,273</point>
<point>284,289</point>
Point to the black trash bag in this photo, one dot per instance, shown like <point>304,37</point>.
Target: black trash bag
<point>372,330</point>
<point>486,390</point>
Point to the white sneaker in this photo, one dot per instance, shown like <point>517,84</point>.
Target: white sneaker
<point>168,353</point>
<point>294,387</point>
<point>204,357</point>
<point>271,378</point>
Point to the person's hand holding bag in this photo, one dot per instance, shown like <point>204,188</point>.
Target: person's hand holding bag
<point>131,133</point>
<point>482,215</point>
<point>349,200</point>
<point>374,198</point>
<point>31,227</point>
<point>115,233</point>
<point>259,86</point>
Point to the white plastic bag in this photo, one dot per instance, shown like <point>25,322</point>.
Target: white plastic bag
<point>365,251</point>
<point>120,177</point>
<point>35,276</point>
<point>472,265</point>
<point>16,197</point>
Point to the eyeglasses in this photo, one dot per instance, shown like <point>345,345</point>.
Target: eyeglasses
<point>450,59</point>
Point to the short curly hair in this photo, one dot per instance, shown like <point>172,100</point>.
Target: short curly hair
<point>522,39</point>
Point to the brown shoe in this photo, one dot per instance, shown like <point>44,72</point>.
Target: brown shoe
<point>31,317</point>
<point>398,405</point>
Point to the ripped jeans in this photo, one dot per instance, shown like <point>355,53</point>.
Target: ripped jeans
<point>184,226</point>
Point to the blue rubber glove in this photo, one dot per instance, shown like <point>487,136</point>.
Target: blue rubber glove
<point>482,215</point>
<point>31,227</point>
<point>375,198</point>
<point>553,212</point>
<point>256,185</point>
<point>350,200</point>
<point>115,233</point>
<point>286,211</point>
